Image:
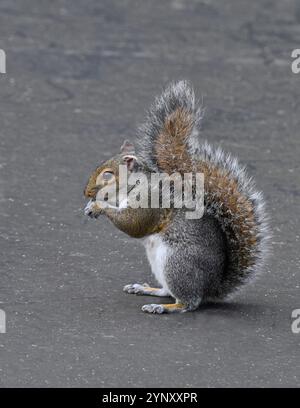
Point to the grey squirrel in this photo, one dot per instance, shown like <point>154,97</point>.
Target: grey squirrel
<point>193,260</point>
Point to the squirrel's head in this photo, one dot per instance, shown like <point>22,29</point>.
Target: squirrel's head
<point>108,175</point>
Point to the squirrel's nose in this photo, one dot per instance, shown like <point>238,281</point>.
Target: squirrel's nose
<point>89,208</point>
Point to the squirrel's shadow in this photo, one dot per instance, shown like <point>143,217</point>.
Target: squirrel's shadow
<point>235,308</point>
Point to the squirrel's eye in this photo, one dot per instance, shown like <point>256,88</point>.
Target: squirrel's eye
<point>107,176</point>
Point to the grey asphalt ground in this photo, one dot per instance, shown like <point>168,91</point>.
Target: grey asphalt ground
<point>80,75</point>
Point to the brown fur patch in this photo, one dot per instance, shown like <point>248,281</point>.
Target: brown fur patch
<point>173,307</point>
<point>165,220</point>
<point>148,288</point>
<point>221,188</point>
<point>170,147</point>
<point>92,187</point>
<point>172,154</point>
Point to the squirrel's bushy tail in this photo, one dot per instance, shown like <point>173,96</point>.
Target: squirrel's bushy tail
<point>170,129</point>
<point>168,142</point>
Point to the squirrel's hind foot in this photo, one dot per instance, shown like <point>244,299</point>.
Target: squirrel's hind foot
<point>167,308</point>
<point>144,289</point>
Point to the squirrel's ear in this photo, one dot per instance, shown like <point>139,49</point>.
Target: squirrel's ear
<point>128,153</point>
<point>127,148</point>
<point>131,161</point>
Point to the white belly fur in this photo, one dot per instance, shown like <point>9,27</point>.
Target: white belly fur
<point>157,253</point>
